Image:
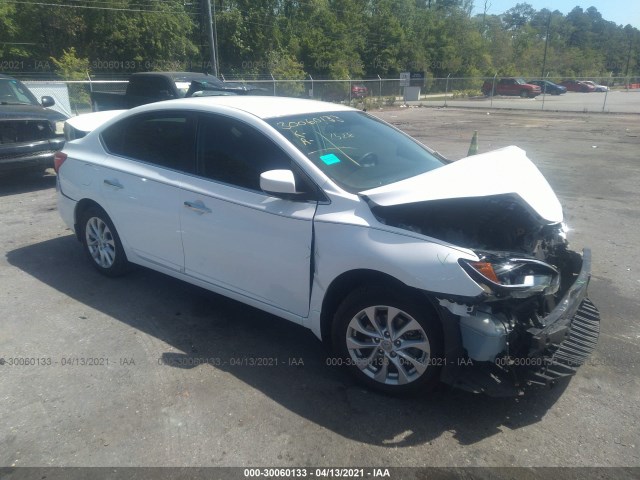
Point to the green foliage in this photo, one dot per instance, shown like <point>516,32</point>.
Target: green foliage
<point>370,103</point>
<point>471,92</point>
<point>9,29</point>
<point>70,67</point>
<point>284,66</point>
<point>335,39</point>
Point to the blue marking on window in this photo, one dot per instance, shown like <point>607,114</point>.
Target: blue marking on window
<point>329,159</point>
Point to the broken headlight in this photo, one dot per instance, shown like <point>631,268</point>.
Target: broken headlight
<point>502,274</point>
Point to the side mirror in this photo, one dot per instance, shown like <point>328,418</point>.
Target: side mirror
<point>278,182</point>
<point>47,101</point>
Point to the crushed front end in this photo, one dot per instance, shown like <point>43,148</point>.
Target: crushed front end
<point>533,324</point>
<point>531,335</point>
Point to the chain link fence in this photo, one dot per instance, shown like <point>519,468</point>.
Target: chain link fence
<point>620,95</point>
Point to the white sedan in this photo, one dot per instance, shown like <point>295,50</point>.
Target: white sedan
<point>597,87</point>
<point>413,268</point>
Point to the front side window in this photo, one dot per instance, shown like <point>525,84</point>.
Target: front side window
<point>356,150</point>
<point>165,139</point>
<point>235,153</point>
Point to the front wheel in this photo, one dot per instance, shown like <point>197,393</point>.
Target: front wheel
<point>388,340</point>
<point>524,94</point>
<point>102,243</point>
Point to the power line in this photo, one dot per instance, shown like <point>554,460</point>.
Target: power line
<point>149,3</point>
<point>87,7</point>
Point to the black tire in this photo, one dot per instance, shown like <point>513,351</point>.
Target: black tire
<point>524,94</point>
<point>102,244</point>
<point>399,375</point>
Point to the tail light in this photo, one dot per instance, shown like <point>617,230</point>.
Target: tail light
<point>58,160</point>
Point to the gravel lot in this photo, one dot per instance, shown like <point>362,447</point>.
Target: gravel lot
<point>140,399</point>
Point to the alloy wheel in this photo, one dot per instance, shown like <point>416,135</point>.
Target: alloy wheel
<point>388,345</point>
<point>100,242</point>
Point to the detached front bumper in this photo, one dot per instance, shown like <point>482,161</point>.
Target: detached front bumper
<point>568,337</point>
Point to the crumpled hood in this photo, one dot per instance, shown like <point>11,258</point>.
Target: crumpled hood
<point>500,172</point>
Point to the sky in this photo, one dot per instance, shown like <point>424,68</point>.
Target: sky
<point>622,12</point>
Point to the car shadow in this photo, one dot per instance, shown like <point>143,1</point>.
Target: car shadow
<point>25,181</point>
<point>203,325</point>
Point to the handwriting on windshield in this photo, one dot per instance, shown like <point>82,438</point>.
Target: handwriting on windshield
<point>302,138</point>
<point>341,136</point>
<point>309,121</point>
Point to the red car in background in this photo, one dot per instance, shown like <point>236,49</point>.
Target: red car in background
<point>577,86</point>
<point>359,91</point>
<point>511,86</point>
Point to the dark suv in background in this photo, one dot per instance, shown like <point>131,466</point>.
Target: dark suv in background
<point>30,133</point>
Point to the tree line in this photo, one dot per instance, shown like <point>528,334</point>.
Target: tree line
<point>321,38</point>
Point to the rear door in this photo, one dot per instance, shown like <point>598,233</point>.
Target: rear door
<point>149,157</point>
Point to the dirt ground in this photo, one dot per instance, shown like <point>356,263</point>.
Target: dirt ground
<point>134,405</point>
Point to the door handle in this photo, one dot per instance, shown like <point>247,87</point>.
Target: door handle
<point>197,207</point>
<point>114,184</point>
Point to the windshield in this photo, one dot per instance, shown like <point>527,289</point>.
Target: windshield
<point>355,150</point>
<point>12,92</point>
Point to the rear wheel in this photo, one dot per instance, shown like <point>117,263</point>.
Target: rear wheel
<point>102,243</point>
<point>388,340</point>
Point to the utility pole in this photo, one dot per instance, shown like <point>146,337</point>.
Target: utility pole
<point>212,45</point>
<point>215,38</point>
<point>546,44</point>
<point>626,69</point>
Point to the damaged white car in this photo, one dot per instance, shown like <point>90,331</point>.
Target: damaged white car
<point>415,269</point>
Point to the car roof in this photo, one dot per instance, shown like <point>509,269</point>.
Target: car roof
<point>260,106</point>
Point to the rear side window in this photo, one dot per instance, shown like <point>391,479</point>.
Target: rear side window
<point>165,139</point>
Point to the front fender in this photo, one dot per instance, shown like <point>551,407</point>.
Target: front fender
<point>411,259</point>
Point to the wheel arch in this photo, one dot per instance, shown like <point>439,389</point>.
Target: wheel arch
<point>347,282</point>
<point>81,207</point>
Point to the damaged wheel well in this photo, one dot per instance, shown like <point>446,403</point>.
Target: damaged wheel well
<point>347,282</point>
